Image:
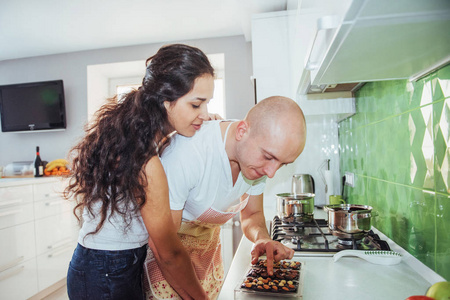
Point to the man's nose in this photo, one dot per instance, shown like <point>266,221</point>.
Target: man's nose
<point>271,168</point>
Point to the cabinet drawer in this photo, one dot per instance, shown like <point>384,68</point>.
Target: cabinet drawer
<point>16,214</point>
<point>16,205</point>
<point>52,266</point>
<point>48,190</point>
<point>20,281</point>
<point>55,232</point>
<point>16,195</point>
<point>49,200</point>
<point>51,206</point>
<point>18,244</point>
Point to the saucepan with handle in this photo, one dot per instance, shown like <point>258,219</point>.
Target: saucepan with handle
<point>302,184</point>
<point>295,208</point>
<point>349,218</point>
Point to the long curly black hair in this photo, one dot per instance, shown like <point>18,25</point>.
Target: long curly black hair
<point>108,164</point>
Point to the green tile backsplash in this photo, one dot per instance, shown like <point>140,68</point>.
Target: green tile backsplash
<point>397,145</point>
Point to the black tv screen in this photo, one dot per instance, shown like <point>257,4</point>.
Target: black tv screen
<point>33,106</point>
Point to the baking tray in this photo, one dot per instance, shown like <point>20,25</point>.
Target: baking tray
<point>244,293</point>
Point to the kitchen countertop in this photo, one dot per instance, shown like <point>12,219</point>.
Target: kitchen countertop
<point>14,181</point>
<point>348,278</point>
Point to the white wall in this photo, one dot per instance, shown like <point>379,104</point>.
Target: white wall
<point>72,69</point>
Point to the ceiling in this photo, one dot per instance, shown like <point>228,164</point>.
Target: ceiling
<point>34,28</point>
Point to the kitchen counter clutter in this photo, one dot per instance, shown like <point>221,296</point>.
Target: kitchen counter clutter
<point>347,278</point>
<point>38,233</point>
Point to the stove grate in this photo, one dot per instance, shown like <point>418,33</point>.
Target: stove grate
<point>315,236</point>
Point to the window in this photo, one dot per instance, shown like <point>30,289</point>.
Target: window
<point>121,90</point>
<point>123,85</point>
<point>217,103</point>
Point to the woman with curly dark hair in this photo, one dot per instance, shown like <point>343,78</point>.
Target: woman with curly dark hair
<point>120,185</point>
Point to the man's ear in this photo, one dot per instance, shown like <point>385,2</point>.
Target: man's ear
<point>241,129</point>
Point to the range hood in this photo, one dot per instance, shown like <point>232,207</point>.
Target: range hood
<point>377,40</point>
<point>306,87</point>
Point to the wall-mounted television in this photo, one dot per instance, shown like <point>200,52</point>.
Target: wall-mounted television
<point>34,106</point>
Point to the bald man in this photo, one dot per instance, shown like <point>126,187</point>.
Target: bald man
<point>221,172</point>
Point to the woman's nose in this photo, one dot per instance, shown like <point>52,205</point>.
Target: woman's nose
<point>204,113</point>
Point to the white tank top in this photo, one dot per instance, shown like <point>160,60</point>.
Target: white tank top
<point>113,235</point>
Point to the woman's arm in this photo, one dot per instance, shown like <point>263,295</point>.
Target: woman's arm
<point>172,257</point>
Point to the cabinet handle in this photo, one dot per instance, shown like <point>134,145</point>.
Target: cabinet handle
<point>60,243</point>
<point>324,23</point>
<point>59,252</point>
<point>11,264</point>
<point>5,203</point>
<point>11,212</point>
<point>54,202</point>
<point>11,273</point>
<point>49,195</point>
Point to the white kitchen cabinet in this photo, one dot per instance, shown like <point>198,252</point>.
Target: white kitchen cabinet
<point>17,245</point>
<point>51,237</point>
<point>48,200</point>
<point>280,43</point>
<point>56,230</point>
<point>16,205</point>
<point>20,281</point>
<point>38,233</point>
<point>52,266</point>
<point>270,52</point>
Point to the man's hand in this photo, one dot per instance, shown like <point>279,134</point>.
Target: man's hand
<point>273,250</point>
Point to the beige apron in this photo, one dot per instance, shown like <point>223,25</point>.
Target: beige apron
<point>201,239</point>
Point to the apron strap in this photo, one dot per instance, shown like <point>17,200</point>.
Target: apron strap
<point>226,133</point>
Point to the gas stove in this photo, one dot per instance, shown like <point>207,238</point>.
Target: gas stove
<point>314,238</point>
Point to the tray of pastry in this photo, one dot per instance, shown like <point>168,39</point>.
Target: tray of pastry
<point>286,281</point>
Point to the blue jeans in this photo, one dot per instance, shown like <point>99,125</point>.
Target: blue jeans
<point>100,274</point>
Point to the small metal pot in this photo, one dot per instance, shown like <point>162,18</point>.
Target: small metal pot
<point>302,184</point>
<point>349,218</point>
<point>295,208</point>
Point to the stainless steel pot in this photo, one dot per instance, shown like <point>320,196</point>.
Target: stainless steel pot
<point>302,184</point>
<point>349,218</point>
<point>295,208</point>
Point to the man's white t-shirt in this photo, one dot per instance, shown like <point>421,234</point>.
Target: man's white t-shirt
<point>199,173</point>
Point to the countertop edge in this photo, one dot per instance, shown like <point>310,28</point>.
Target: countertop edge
<point>7,182</point>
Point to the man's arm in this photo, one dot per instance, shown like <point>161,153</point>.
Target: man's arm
<point>177,216</point>
<point>254,227</point>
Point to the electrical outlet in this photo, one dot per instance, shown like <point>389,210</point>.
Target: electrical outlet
<point>350,179</point>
